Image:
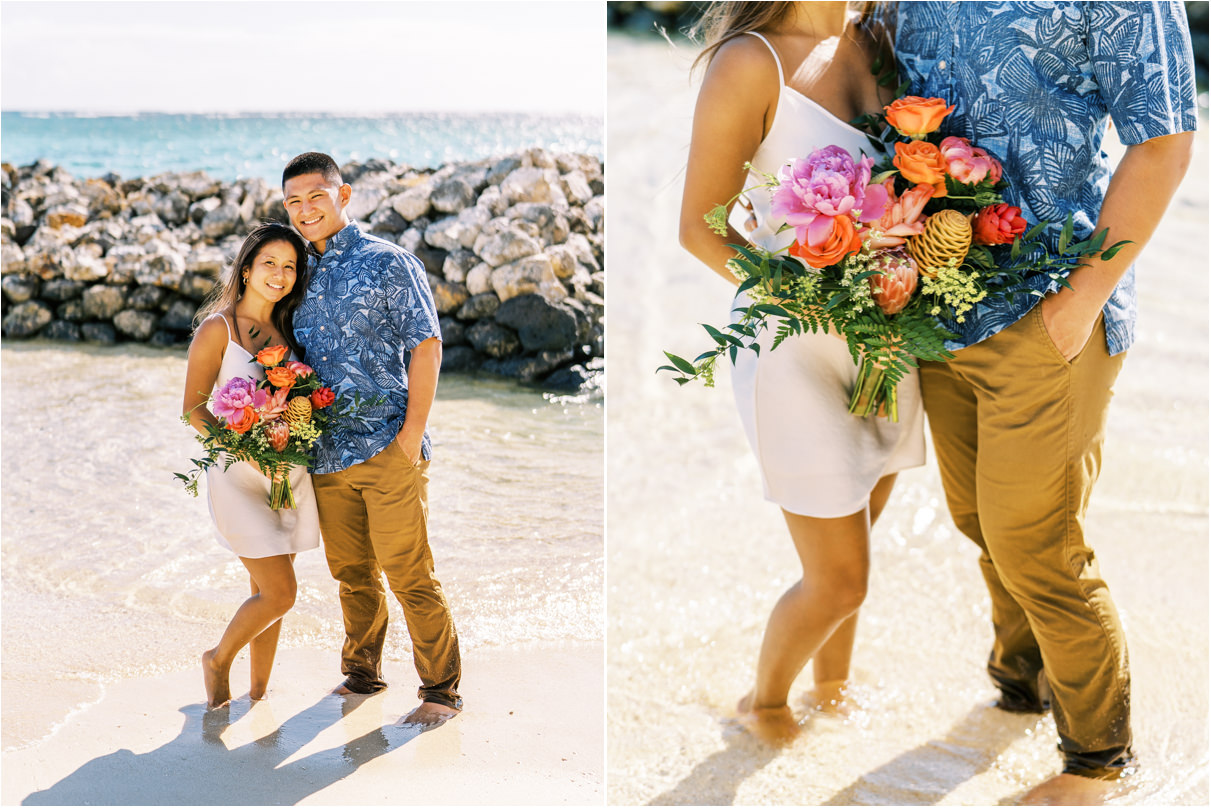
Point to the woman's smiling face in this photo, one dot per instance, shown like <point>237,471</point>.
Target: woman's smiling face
<point>273,271</point>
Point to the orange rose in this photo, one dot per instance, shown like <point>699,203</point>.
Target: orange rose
<point>922,163</point>
<point>915,117</point>
<point>280,377</point>
<point>247,421</point>
<point>842,241</point>
<point>272,355</point>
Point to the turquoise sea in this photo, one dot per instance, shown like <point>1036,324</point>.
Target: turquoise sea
<point>241,145</point>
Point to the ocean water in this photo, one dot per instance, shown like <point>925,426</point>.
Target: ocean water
<point>236,146</point>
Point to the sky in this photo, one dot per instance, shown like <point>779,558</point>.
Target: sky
<point>353,56</point>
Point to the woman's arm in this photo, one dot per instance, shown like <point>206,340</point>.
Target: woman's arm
<point>205,359</point>
<point>735,107</point>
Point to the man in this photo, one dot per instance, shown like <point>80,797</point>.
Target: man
<point>1018,416</point>
<point>368,301</point>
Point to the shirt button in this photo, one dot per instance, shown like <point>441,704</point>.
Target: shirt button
<point>942,65</point>
<point>321,328</point>
<point>324,358</point>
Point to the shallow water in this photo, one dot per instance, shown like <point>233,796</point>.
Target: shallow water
<point>110,568</point>
<point>696,558</point>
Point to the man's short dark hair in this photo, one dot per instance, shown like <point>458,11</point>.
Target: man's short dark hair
<point>313,163</point>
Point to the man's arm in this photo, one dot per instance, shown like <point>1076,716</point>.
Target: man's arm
<point>1139,192</point>
<point>423,370</point>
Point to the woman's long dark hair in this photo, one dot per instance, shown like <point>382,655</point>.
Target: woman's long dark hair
<point>227,293</point>
<point>724,21</point>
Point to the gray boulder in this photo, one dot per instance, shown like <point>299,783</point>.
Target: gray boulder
<point>493,339</point>
<point>542,325</point>
<point>138,325</point>
<point>103,302</point>
<point>27,319</point>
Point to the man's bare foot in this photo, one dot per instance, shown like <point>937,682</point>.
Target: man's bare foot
<point>775,726</point>
<point>218,691</point>
<point>1072,789</point>
<point>831,697</point>
<point>428,715</point>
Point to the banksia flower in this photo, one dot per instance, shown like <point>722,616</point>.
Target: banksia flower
<point>278,434</point>
<point>892,288</point>
<point>947,235</point>
<point>298,410</point>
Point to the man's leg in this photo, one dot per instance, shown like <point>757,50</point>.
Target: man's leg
<point>1014,664</point>
<point>1042,422</point>
<point>396,497</point>
<point>351,561</point>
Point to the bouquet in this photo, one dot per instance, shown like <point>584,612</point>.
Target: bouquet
<point>886,254</point>
<point>273,423</point>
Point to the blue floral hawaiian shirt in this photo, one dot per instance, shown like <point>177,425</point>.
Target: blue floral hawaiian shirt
<point>367,303</point>
<point>1034,83</point>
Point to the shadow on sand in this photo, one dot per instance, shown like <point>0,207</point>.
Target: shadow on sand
<point>925,775</point>
<point>197,768</point>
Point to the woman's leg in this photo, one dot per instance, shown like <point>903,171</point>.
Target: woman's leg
<point>835,554</point>
<point>830,665</point>
<point>261,652</point>
<point>274,578</point>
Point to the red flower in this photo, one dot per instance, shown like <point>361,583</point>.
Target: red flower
<point>997,224</point>
<point>322,398</point>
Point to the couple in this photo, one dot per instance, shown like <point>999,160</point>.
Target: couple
<point>1018,416</point>
<point>350,305</point>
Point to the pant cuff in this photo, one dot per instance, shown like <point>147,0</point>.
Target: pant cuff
<point>454,701</point>
<point>364,687</point>
<point>1110,764</point>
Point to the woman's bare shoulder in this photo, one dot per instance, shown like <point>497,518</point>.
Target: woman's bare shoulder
<point>745,59</point>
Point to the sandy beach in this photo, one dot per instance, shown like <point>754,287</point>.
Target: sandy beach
<point>113,585</point>
<point>696,558</point>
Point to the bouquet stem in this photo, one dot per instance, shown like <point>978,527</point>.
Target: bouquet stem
<point>873,393</point>
<point>281,495</point>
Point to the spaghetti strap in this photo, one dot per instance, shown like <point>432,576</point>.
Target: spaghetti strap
<point>777,61</point>
<point>223,317</point>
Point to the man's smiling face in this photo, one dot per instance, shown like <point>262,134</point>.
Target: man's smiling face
<point>316,206</point>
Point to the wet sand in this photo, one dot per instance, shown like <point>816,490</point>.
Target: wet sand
<point>113,586</point>
<point>696,558</point>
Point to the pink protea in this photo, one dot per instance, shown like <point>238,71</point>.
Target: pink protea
<point>893,287</point>
<point>278,434</point>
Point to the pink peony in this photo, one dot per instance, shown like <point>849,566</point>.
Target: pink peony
<point>902,217</point>
<point>826,184</point>
<point>893,287</point>
<point>234,397</point>
<point>964,162</point>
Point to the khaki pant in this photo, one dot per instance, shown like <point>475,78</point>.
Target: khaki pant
<point>1018,433</point>
<point>374,519</point>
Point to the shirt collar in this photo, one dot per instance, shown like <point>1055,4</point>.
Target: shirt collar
<point>341,240</point>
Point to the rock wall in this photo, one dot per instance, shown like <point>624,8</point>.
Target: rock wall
<point>513,247</point>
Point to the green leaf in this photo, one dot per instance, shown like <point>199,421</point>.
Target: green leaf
<point>1066,234</point>
<point>770,308</point>
<point>682,365</point>
<point>1033,232</point>
<point>1112,250</point>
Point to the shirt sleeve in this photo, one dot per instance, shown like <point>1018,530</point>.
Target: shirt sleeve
<point>1144,66</point>
<point>409,300</point>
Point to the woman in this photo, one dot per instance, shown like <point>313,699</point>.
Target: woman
<point>251,310</point>
<point>782,80</point>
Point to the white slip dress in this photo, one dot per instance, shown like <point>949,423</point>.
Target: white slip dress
<point>816,458</point>
<point>239,496</point>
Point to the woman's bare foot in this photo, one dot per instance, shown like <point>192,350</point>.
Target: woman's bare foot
<point>775,726</point>
<point>257,693</point>
<point>830,697</point>
<point>218,691</point>
<point>1072,789</point>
